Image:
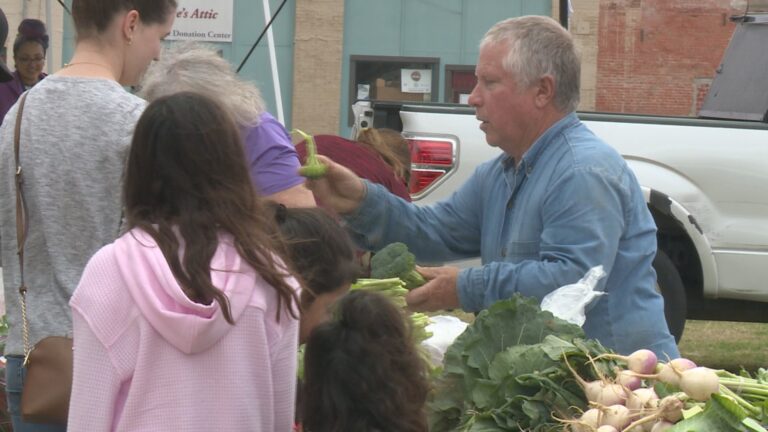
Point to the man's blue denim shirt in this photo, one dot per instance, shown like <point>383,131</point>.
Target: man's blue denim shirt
<point>572,203</point>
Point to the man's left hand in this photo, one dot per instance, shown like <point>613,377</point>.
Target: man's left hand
<point>439,293</point>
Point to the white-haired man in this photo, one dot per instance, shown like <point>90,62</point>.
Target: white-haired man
<point>558,202</point>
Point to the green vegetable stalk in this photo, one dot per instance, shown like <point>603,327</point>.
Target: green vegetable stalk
<point>751,394</point>
<point>419,323</point>
<point>392,288</point>
<point>395,260</point>
<point>312,168</point>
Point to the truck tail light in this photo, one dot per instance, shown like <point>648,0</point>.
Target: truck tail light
<point>431,160</point>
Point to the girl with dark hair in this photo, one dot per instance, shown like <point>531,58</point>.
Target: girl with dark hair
<point>75,133</point>
<point>29,50</point>
<point>322,255</point>
<point>362,371</point>
<point>187,322</point>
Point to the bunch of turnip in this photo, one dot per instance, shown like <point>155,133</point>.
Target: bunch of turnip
<point>627,402</point>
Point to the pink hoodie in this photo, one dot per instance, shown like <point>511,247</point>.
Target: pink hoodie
<point>149,359</point>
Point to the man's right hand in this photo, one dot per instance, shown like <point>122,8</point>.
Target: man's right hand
<point>439,293</point>
<point>339,189</point>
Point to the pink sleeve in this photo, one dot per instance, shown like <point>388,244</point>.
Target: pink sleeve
<point>95,381</point>
<point>284,359</point>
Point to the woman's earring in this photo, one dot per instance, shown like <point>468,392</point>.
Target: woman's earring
<point>130,41</point>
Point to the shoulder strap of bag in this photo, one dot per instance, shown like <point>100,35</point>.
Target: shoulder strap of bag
<point>22,219</point>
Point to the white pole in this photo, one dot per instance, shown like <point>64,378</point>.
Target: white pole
<point>49,26</point>
<point>273,63</point>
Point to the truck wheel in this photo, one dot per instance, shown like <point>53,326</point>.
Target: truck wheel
<point>669,283</point>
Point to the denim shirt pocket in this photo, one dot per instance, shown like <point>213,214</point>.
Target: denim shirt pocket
<point>522,250</point>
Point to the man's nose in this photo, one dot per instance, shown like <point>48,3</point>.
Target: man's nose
<point>474,98</point>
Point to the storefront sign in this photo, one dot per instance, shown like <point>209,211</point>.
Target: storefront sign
<point>203,20</point>
<point>416,80</point>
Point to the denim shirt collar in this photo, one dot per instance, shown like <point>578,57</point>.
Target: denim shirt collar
<point>532,154</point>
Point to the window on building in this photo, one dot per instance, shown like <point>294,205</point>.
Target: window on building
<point>397,79</point>
<point>459,82</point>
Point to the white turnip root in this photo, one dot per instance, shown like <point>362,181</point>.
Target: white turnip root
<point>607,428</point>
<point>671,372</point>
<point>591,417</point>
<point>641,361</point>
<point>628,380</point>
<point>616,416</point>
<point>612,394</point>
<point>699,383</point>
<point>599,391</point>
<point>588,422</point>
<point>669,409</point>
<point>641,400</point>
<point>661,426</point>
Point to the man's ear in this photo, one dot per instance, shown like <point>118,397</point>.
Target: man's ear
<point>130,21</point>
<point>545,91</point>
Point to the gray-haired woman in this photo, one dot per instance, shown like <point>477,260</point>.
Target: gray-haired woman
<point>271,156</point>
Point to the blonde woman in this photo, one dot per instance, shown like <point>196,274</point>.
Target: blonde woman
<point>271,157</point>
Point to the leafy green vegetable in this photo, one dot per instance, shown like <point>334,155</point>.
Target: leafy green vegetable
<point>395,261</point>
<point>506,372</point>
<point>720,414</point>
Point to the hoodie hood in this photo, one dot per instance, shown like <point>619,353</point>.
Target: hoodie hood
<point>191,327</point>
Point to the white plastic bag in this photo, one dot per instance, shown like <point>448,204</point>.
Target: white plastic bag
<point>445,329</point>
<point>568,302</point>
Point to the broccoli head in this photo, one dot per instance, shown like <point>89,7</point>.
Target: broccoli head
<point>395,261</point>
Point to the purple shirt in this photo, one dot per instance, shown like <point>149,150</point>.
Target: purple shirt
<point>272,159</point>
<point>10,92</point>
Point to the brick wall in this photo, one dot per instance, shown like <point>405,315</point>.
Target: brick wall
<point>659,56</point>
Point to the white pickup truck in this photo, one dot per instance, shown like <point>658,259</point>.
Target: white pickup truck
<point>705,182</point>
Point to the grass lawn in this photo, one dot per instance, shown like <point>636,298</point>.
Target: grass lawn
<point>726,345</point>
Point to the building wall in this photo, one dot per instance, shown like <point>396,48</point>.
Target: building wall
<point>659,56</point>
<point>17,10</point>
<point>583,25</point>
<point>317,59</point>
<point>641,56</point>
<point>448,29</point>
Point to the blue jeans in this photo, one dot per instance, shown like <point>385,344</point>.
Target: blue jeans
<point>14,383</point>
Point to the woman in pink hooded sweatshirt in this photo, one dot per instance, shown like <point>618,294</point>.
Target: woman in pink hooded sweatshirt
<point>188,321</point>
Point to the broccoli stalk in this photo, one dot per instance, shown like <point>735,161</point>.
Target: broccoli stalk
<point>312,168</point>
<point>392,288</point>
<point>396,261</point>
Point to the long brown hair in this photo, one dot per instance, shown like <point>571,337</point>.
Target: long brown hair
<point>187,174</point>
<point>392,148</point>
